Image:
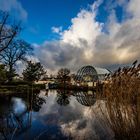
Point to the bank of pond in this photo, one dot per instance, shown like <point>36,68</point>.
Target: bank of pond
<point>9,89</point>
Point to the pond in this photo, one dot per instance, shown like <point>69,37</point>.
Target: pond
<point>54,115</point>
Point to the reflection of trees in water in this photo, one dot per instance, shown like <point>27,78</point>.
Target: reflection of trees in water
<point>12,123</point>
<point>85,98</point>
<point>5,117</point>
<point>63,97</point>
<point>37,102</point>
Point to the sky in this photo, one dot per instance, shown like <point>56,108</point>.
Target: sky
<point>73,33</point>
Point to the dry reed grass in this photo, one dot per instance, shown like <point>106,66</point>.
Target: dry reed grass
<point>122,94</point>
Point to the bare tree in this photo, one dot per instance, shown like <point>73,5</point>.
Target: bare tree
<point>8,31</point>
<point>16,51</point>
<point>63,76</point>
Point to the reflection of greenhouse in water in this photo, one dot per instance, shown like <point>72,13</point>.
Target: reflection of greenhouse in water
<point>86,98</point>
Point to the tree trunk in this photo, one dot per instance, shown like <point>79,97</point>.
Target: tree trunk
<point>10,74</point>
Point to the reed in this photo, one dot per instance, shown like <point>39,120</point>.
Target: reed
<point>122,94</point>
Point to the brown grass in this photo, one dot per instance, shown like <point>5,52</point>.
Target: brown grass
<point>122,94</point>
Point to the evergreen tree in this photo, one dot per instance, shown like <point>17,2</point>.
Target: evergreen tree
<point>33,72</point>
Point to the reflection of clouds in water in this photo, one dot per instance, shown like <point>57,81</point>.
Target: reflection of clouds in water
<point>75,119</point>
<point>51,112</point>
<point>49,107</point>
<point>18,105</point>
<point>90,126</point>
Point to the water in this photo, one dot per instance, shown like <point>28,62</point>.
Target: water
<point>53,115</point>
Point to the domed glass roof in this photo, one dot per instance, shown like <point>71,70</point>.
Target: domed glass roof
<point>90,73</point>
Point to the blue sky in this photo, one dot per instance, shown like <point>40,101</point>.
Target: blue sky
<point>44,14</point>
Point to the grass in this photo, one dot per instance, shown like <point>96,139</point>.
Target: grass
<point>122,94</point>
<point>20,88</point>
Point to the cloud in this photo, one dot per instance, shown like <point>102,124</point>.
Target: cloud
<point>86,41</point>
<point>133,8</point>
<point>14,7</point>
<point>84,27</point>
<point>54,55</point>
<point>57,30</point>
<point>75,120</point>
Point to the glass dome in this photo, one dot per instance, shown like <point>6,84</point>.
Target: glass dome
<point>91,74</point>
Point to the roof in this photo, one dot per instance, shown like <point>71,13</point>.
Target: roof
<point>95,73</point>
<point>101,71</point>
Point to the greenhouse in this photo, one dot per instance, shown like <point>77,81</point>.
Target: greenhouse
<point>91,74</point>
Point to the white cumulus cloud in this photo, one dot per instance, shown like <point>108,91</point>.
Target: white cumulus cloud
<point>86,42</point>
<point>57,30</point>
<point>15,7</point>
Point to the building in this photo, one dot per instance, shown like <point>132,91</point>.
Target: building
<point>90,75</point>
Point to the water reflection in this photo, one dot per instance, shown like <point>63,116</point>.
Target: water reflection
<point>12,117</point>
<point>36,102</point>
<point>52,115</point>
<point>86,98</point>
<point>63,97</point>
<point>15,113</point>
